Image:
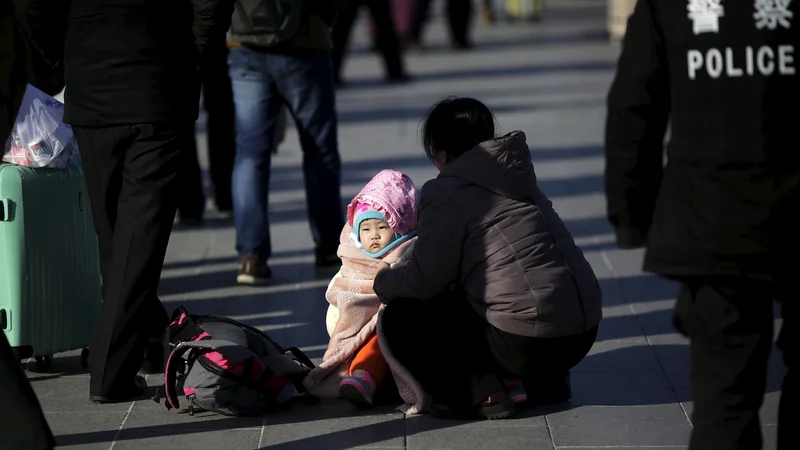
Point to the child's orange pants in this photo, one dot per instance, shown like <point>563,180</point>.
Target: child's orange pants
<point>370,358</point>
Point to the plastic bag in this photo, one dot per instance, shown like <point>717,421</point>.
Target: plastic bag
<point>40,138</point>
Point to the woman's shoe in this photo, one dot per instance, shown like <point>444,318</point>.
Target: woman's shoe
<point>359,388</point>
<point>497,406</point>
<point>515,390</point>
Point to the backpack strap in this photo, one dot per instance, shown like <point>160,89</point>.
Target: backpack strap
<point>296,352</point>
<point>170,372</point>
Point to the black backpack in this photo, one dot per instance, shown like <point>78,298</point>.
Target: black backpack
<point>222,365</point>
<point>267,22</point>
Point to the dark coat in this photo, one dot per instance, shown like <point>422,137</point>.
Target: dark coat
<point>723,205</point>
<point>485,225</point>
<point>130,62</point>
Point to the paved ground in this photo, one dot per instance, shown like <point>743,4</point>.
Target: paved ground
<point>547,79</point>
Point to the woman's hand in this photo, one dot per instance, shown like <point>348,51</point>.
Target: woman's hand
<point>382,266</point>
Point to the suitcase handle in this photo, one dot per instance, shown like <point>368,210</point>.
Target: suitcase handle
<point>5,211</point>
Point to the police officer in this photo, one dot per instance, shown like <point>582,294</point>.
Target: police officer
<point>719,215</point>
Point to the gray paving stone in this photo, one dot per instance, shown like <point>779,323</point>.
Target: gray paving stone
<point>85,430</point>
<point>151,425</point>
<point>69,393</point>
<point>631,354</point>
<point>621,388</point>
<point>620,426</point>
<point>521,433</point>
<point>632,447</point>
<point>189,439</point>
<point>334,425</point>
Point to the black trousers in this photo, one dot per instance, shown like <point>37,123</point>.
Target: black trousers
<point>221,140</point>
<point>132,175</point>
<point>459,13</point>
<point>386,35</point>
<point>460,359</point>
<point>730,324</point>
<point>22,423</point>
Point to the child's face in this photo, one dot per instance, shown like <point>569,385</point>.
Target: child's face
<point>375,235</point>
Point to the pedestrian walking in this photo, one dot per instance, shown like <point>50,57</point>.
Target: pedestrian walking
<point>720,216</point>
<point>386,39</point>
<point>272,67</point>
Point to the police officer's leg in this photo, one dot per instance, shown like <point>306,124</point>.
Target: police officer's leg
<point>729,322</point>
<point>787,436</point>
<point>146,201</point>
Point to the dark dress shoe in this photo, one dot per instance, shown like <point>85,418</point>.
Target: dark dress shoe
<point>135,392</point>
<point>497,406</point>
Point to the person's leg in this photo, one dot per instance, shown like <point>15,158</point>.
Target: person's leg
<point>461,348</point>
<point>220,125</point>
<point>487,11</point>
<point>131,313</point>
<point>419,16</point>
<point>459,14</point>
<point>366,374</point>
<point>388,44</point>
<point>341,35</point>
<point>257,106</point>
<point>520,359</point>
<point>787,339</point>
<point>370,358</point>
<point>729,323</point>
<point>102,156</point>
<point>192,198</point>
<point>305,80</point>
<point>22,423</point>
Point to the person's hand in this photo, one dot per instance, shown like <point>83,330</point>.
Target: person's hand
<point>382,266</point>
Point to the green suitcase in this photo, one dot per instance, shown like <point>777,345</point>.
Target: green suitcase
<point>50,291</point>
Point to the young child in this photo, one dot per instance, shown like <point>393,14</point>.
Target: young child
<point>381,228</point>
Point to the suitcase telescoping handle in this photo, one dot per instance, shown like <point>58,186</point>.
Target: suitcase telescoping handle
<point>5,211</point>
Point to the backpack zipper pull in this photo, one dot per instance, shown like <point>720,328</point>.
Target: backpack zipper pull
<point>191,404</point>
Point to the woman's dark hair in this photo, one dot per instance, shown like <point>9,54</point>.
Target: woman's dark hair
<point>455,125</point>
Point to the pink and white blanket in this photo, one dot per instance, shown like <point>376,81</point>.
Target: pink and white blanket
<point>354,314</point>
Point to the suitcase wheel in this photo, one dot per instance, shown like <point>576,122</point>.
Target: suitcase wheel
<point>85,358</point>
<point>44,362</point>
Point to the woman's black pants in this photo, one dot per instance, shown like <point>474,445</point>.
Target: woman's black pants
<point>460,359</point>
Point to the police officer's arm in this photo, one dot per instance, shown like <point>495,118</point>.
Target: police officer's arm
<point>638,112</point>
<point>212,19</point>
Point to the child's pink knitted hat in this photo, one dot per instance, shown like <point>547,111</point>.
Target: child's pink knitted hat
<point>392,194</point>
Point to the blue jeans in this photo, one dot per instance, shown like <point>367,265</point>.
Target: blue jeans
<point>262,83</point>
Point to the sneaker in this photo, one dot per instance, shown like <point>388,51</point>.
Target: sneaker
<point>497,406</point>
<point>253,271</point>
<point>326,258</point>
<point>359,388</point>
<point>515,390</point>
